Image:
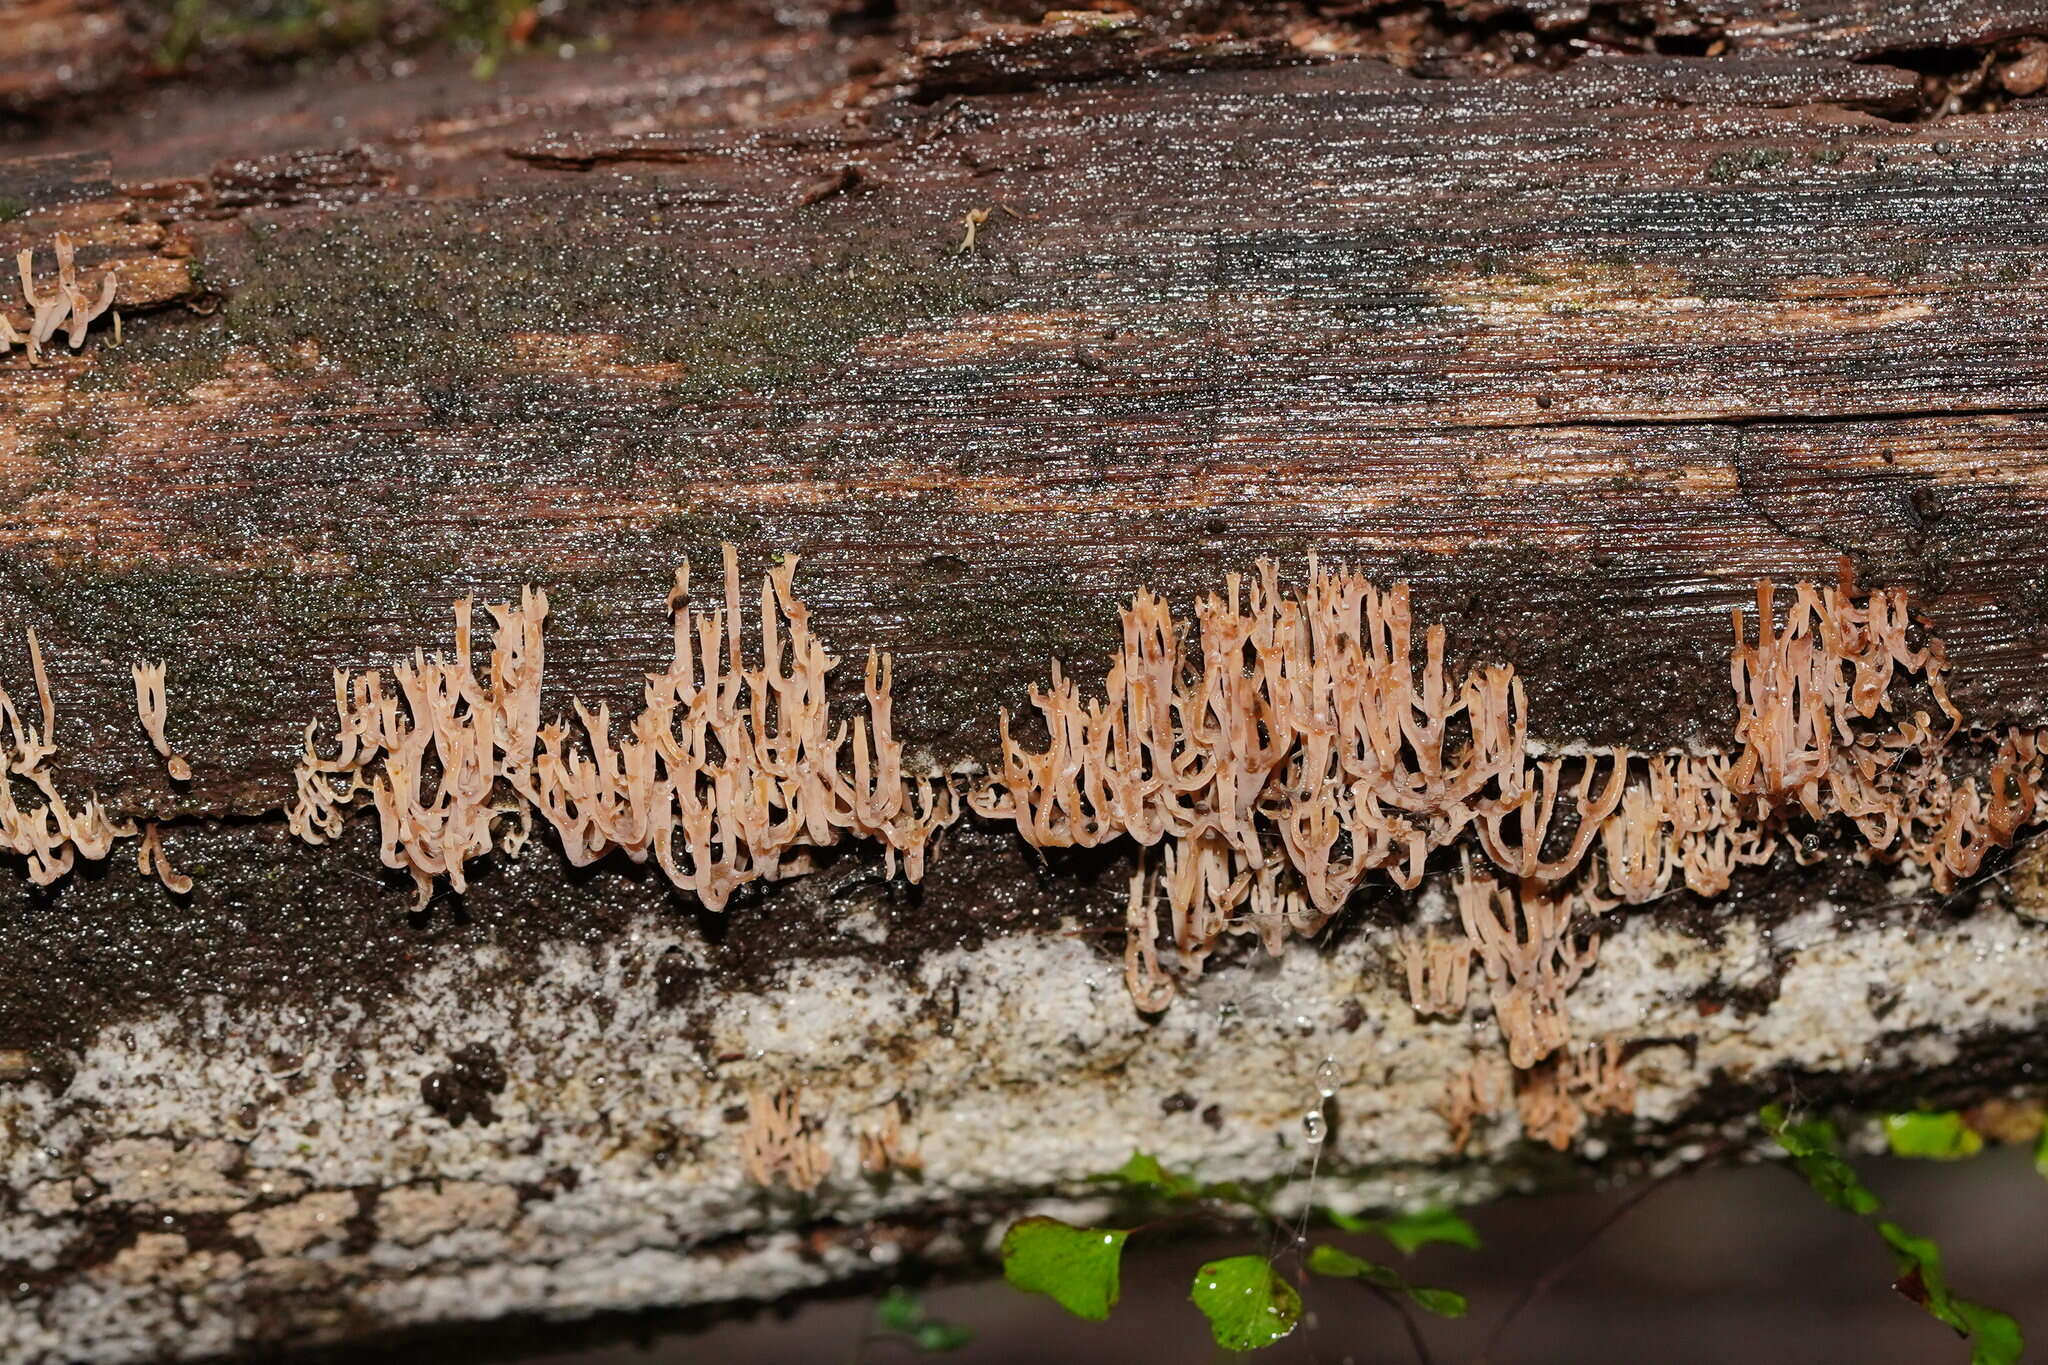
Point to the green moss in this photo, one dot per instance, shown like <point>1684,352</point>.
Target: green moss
<point>189,31</point>
<point>163,360</point>
<point>1910,266</point>
<point>434,298</point>
<point>63,445</point>
<point>1728,167</point>
<point>12,207</point>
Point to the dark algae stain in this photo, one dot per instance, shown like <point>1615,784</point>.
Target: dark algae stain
<point>463,1089</point>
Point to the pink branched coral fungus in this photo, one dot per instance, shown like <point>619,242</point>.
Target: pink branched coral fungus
<point>1439,968</point>
<point>152,709</point>
<point>1807,695</point>
<point>1295,747</point>
<point>778,1144</point>
<point>884,1148</point>
<point>1555,1098</point>
<point>727,775</point>
<point>1474,1091</point>
<point>151,858</point>
<point>1294,751</point>
<point>67,306</point>
<point>1532,955</point>
<point>1291,746</point>
<point>48,833</point>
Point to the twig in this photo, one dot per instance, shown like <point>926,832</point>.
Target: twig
<point>1408,1324</point>
<point>1549,1279</point>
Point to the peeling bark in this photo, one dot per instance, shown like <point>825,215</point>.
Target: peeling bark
<point>1578,329</point>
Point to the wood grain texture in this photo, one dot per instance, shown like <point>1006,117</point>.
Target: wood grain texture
<point>1563,349</point>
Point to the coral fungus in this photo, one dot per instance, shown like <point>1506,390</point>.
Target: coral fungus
<point>68,306</point>
<point>48,833</point>
<point>1295,747</point>
<point>778,1144</point>
<point>152,710</point>
<point>727,775</point>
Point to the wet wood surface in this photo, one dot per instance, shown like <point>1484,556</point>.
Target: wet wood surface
<point>1582,352</point>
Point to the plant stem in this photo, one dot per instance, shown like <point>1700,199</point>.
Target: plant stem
<point>1408,1323</point>
<point>1549,1279</point>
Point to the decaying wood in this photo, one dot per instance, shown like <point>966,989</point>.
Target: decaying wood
<point>1581,327</point>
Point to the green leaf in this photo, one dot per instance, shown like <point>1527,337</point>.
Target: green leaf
<point>898,1311</point>
<point>1994,1337</point>
<point>2041,1154</point>
<point>1340,1264</point>
<point>1234,1192</point>
<point>1248,1306</point>
<point>1076,1267</point>
<point>1815,1152</point>
<point>940,1336</point>
<point>1936,1137</point>
<point>1144,1172</point>
<point>1411,1232</point>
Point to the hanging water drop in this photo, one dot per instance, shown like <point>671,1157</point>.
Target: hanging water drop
<point>1314,1127</point>
<point>1326,1077</point>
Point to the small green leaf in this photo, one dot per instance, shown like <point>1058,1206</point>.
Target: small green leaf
<point>1936,1137</point>
<point>1815,1152</point>
<point>1994,1337</point>
<point>898,1311</point>
<point>1411,1232</point>
<point>1340,1264</point>
<point>940,1336</point>
<point>1248,1306</point>
<point>1445,1303</point>
<point>1076,1267</point>
<point>1234,1192</point>
<point>2041,1154</point>
<point>1144,1172</point>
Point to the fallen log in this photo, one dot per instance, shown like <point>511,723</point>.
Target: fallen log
<point>991,336</point>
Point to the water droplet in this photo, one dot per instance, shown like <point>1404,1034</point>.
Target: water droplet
<point>1326,1077</point>
<point>1314,1127</point>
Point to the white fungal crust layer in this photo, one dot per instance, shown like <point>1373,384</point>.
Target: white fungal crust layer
<point>215,1177</point>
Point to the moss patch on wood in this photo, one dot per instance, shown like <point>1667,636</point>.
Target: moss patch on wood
<point>436,297</point>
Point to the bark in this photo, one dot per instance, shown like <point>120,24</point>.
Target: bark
<point>1580,326</point>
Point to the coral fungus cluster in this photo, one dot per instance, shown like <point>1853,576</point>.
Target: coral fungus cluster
<point>1294,747</point>
<point>729,774</point>
<point>37,822</point>
<point>1266,763</point>
<point>778,1143</point>
<point>67,306</point>
<point>48,833</point>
